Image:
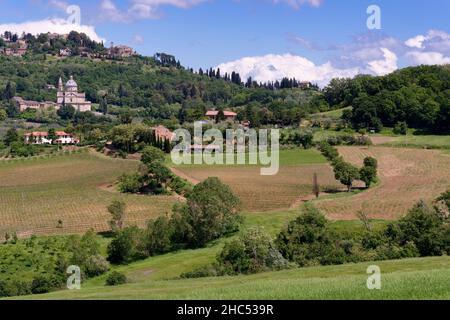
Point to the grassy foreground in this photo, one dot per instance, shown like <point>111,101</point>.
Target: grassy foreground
<point>420,278</point>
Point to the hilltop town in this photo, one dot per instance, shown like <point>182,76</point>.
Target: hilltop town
<point>60,45</point>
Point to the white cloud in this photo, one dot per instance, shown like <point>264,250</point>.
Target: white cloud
<point>296,4</point>
<point>384,66</point>
<point>416,42</point>
<point>138,39</point>
<point>429,58</point>
<point>59,4</point>
<point>141,9</point>
<point>274,67</point>
<point>431,48</point>
<point>434,40</point>
<point>56,25</point>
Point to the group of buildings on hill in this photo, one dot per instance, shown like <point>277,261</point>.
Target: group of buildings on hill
<point>14,47</point>
<point>66,95</point>
<point>17,47</point>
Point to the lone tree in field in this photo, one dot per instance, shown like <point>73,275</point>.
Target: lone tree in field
<point>368,173</point>
<point>316,187</point>
<point>117,211</point>
<point>362,216</point>
<point>346,173</point>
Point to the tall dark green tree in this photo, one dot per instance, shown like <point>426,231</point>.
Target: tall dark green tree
<point>104,104</point>
<point>9,91</point>
<point>11,136</point>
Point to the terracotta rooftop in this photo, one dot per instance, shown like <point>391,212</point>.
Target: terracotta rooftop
<point>216,112</point>
<point>44,134</point>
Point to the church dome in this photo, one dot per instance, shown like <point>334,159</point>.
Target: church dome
<point>71,83</point>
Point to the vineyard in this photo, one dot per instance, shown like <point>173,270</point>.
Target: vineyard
<point>406,176</point>
<point>65,194</point>
<point>267,193</point>
<point>69,193</point>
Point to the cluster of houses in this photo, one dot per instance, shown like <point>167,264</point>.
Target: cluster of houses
<point>14,47</point>
<point>114,52</point>
<point>120,51</point>
<point>17,47</point>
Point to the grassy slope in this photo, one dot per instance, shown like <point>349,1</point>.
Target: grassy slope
<point>333,114</point>
<point>424,278</point>
<point>156,277</point>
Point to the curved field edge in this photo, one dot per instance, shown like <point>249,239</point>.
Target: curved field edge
<point>419,278</point>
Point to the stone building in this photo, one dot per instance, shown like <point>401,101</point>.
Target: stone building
<point>69,95</point>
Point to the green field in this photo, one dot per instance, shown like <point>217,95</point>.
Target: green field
<point>421,278</point>
<point>421,141</point>
<point>288,157</point>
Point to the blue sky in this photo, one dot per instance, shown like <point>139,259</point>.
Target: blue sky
<point>316,38</point>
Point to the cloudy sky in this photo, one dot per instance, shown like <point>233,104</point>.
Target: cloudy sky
<point>311,40</point>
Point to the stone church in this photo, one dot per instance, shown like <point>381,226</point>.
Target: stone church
<point>69,95</point>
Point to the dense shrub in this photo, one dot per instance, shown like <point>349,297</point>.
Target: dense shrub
<point>45,283</point>
<point>254,251</point>
<point>96,265</point>
<point>11,288</point>
<point>19,149</point>
<point>425,228</point>
<point>211,211</point>
<point>126,246</point>
<point>308,241</point>
<point>130,183</point>
<point>211,270</point>
<point>157,236</point>
<point>301,138</point>
<point>401,128</point>
<point>115,278</point>
<point>179,185</point>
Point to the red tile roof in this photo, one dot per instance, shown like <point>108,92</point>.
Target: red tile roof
<point>216,112</point>
<point>44,134</point>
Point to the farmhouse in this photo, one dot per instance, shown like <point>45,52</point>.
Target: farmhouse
<point>43,138</point>
<point>229,115</point>
<point>30,104</point>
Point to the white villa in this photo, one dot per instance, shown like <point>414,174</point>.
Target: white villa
<point>42,138</point>
<point>69,95</point>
